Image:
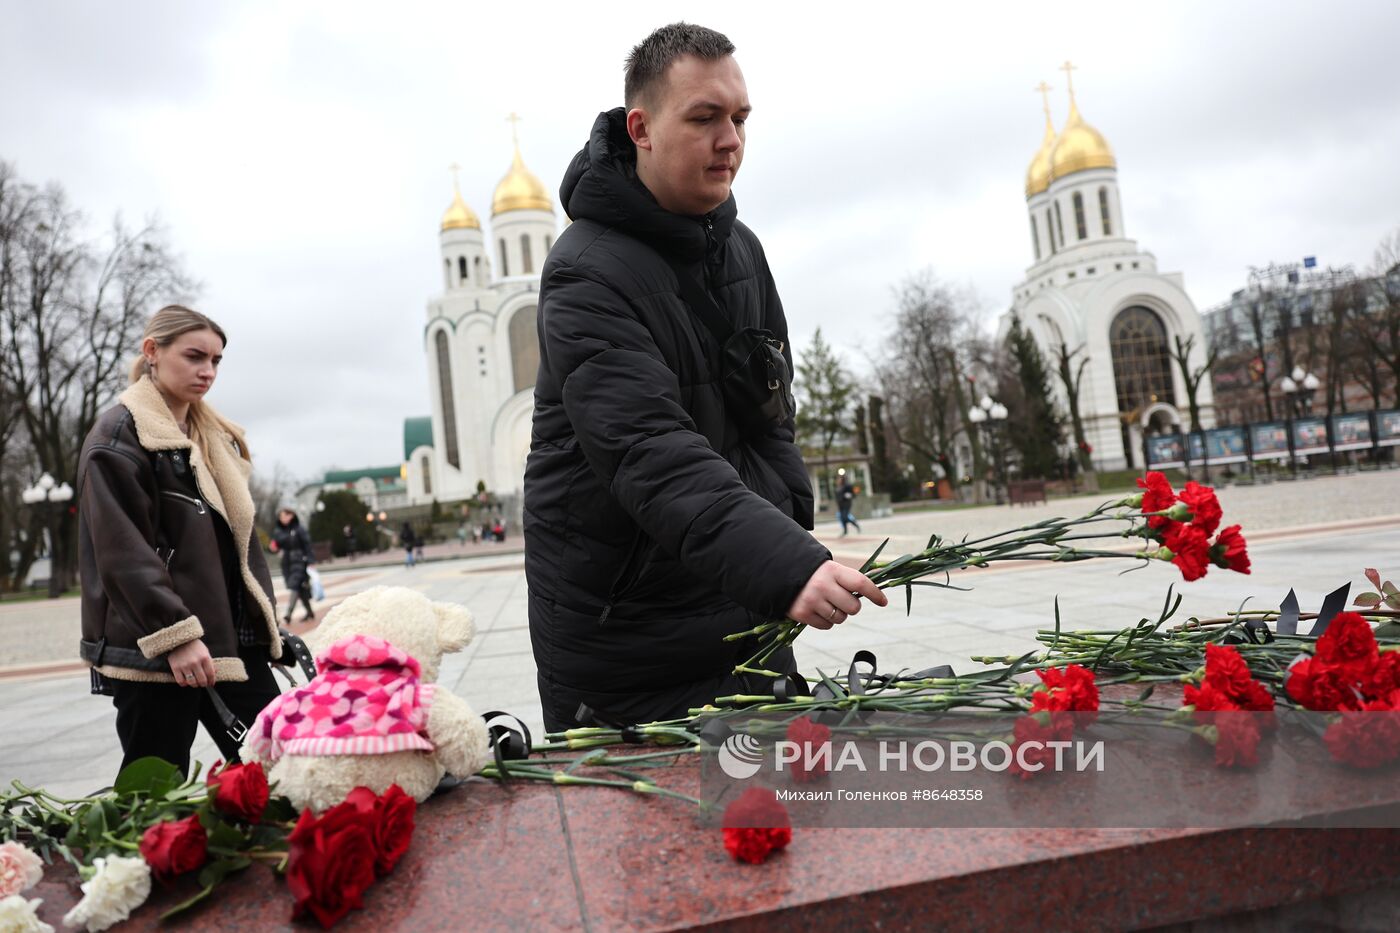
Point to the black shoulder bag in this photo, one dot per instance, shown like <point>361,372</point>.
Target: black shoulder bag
<point>753,373</point>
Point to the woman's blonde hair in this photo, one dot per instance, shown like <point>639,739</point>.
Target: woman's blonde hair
<point>164,326</point>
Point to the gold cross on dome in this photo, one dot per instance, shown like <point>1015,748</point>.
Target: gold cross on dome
<point>1044,90</point>
<point>454,168</point>
<point>514,120</point>
<point>1068,68</point>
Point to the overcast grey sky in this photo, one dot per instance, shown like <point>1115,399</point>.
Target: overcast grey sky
<point>297,153</point>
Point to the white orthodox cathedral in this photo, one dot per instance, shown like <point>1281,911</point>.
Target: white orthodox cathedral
<point>1092,287</point>
<point>481,346</point>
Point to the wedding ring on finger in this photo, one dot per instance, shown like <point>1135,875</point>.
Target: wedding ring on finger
<point>832,617</point>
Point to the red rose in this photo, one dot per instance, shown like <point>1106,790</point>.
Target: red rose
<point>174,847</point>
<point>1367,738</point>
<point>810,736</point>
<point>390,817</point>
<point>1157,496</point>
<point>1350,644</point>
<point>1036,731</point>
<point>756,825</point>
<point>1317,685</point>
<point>239,790</point>
<point>330,863</point>
<point>1190,549</point>
<point>1205,507</point>
<point>1236,739</point>
<point>1071,689</point>
<point>1229,550</point>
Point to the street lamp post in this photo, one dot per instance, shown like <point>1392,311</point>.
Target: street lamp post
<point>52,498</point>
<point>1298,387</point>
<point>990,416</point>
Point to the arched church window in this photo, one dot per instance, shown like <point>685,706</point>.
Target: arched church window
<point>1104,216</point>
<point>1141,365</point>
<point>1059,225</point>
<point>1035,238</point>
<point>449,404</point>
<point>524,348</point>
<point>462,269</point>
<point>1081,226</point>
<point>1049,232</point>
<point>505,266</point>
<point>476,266</point>
<point>548,243</point>
<point>527,262</point>
<point>427,475</point>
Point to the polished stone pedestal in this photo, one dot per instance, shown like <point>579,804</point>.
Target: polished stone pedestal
<point>533,857</point>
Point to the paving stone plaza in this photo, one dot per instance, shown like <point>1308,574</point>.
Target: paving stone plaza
<point>1312,535</point>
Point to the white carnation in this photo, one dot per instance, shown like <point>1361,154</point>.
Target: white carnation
<point>20,916</point>
<point>20,869</point>
<point>120,886</point>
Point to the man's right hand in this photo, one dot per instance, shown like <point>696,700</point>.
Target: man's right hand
<point>192,665</point>
<point>832,595</point>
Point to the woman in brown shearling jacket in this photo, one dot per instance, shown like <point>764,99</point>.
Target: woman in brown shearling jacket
<point>176,592</point>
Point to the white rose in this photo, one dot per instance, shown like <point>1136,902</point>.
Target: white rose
<point>120,886</point>
<point>20,916</point>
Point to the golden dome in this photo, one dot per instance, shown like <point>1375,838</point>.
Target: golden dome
<point>458,216</point>
<point>1038,175</point>
<point>520,190</point>
<point>1080,146</point>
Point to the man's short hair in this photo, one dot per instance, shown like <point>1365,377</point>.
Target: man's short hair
<point>647,64</point>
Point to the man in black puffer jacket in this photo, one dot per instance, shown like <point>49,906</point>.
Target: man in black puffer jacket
<point>654,525</point>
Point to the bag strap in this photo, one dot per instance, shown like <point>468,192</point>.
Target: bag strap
<point>232,724</point>
<point>702,304</point>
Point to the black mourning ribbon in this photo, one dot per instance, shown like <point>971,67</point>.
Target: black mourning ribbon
<point>1288,614</point>
<point>510,739</point>
<point>1334,603</point>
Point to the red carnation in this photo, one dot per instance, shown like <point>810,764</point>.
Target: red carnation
<point>1236,739</point>
<point>1190,550</point>
<point>1367,738</point>
<point>756,825</point>
<point>1385,676</point>
<point>1317,685</point>
<point>1205,507</point>
<point>1229,550</point>
<point>1071,688</point>
<point>1157,496</point>
<point>175,846</point>
<point>390,818</point>
<point>1208,698</point>
<point>1226,669</point>
<point>330,863</point>
<point>1350,644</point>
<point>809,736</point>
<point>239,790</point>
<point>1036,732</point>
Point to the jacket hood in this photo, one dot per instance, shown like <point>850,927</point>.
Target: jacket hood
<point>601,185</point>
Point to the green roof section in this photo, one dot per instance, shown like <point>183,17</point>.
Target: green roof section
<point>417,432</point>
<point>374,473</point>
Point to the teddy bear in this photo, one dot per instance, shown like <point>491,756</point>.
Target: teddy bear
<point>373,715</point>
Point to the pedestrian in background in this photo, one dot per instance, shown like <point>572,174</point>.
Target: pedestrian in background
<point>289,538</point>
<point>845,499</point>
<point>407,540</point>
